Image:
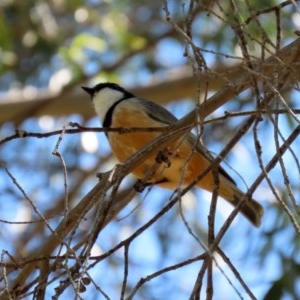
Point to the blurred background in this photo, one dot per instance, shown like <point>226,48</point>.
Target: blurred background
<point>176,53</point>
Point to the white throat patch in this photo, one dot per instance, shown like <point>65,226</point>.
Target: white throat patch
<point>104,100</point>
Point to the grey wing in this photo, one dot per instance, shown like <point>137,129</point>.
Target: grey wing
<point>158,112</point>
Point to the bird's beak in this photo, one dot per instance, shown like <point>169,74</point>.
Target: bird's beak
<point>88,90</point>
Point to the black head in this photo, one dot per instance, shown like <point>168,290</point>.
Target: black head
<point>97,88</point>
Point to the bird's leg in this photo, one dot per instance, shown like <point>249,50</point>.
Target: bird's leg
<point>163,156</point>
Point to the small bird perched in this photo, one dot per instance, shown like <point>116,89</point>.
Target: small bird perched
<point>117,107</point>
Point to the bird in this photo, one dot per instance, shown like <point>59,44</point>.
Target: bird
<point>119,108</point>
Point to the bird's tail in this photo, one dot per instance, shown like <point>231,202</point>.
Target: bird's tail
<point>250,208</point>
<point>227,189</point>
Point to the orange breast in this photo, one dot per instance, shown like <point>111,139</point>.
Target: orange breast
<point>126,144</point>
<point>186,163</point>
